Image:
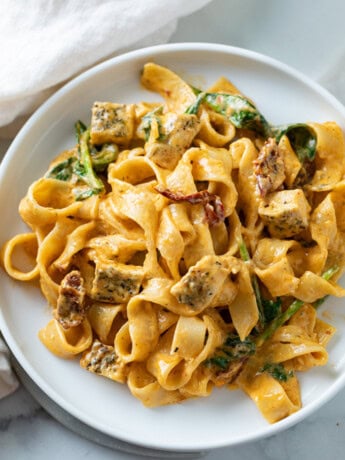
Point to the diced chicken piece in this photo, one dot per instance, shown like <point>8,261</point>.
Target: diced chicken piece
<point>203,281</point>
<point>180,131</point>
<point>185,128</point>
<point>116,282</point>
<point>164,155</point>
<point>112,123</point>
<point>269,168</point>
<point>286,212</point>
<point>70,311</point>
<point>101,359</point>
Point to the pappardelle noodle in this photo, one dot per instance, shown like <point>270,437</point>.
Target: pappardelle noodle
<point>186,244</point>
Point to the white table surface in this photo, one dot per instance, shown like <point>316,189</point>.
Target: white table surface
<point>308,35</point>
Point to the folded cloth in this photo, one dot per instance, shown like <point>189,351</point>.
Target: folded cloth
<point>8,381</point>
<point>44,43</point>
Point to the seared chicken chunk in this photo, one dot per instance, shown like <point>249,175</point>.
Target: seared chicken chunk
<point>184,128</point>
<point>101,359</point>
<point>286,213</point>
<point>70,310</point>
<point>180,131</point>
<point>111,123</point>
<point>269,168</point>
<point>203,281</point>
<point>115,282</point>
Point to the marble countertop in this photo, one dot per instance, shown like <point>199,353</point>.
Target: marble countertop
<point>308,36</point>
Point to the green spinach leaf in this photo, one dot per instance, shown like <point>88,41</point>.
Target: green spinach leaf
<point>243,114</point>
<point>272,308</point>
<point>146,123</point>
<point>277,371</point>
<point>63,171</point>
<point>233,349</point>
<point>302,139</point>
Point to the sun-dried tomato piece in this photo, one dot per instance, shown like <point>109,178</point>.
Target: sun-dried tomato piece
<point>269,168</point>
<point>212,203</point>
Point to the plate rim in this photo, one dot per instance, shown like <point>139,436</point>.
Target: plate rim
<point>266,431</point>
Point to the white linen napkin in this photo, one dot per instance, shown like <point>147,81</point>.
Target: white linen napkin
<point>44,43</point>
<point>8,381</point>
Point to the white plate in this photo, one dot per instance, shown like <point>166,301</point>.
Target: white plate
<point>225,418</point>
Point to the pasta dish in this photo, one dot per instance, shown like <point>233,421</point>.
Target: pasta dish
<point>186,244</point>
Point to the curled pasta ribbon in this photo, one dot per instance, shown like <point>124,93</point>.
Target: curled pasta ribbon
<point>112,222</point>
<point>291,342</point>
<point>46,200</point>
<point>182,349</point>
<point>215,129</point>
<point>142,215</point>
<point>243,153</point>
<point>170,242</point>
<point>214,168</point>
<point>200,383</point>
<point>244,309</point>
<point>285,267</point>
<point>66,343</point>
<point>313,287</point>
<point>135,170</point>
<point>140,334</point>
<point>300,345</point>
<point>330,159</point>
<point>76,240</point>
<point>318,331</point>
<point>291,162</point>
<point>209,165</point>
<point>106,320</point>
<point>324,229</point>
<point>7,253</point>
<point>49,250</point>
<point>109,246</point>
<point>338,203</point>
<point>223,85</point>
<point>176,92</point>
<point>146,388</point>
<point>275,400</point>
<point>273,266</point>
